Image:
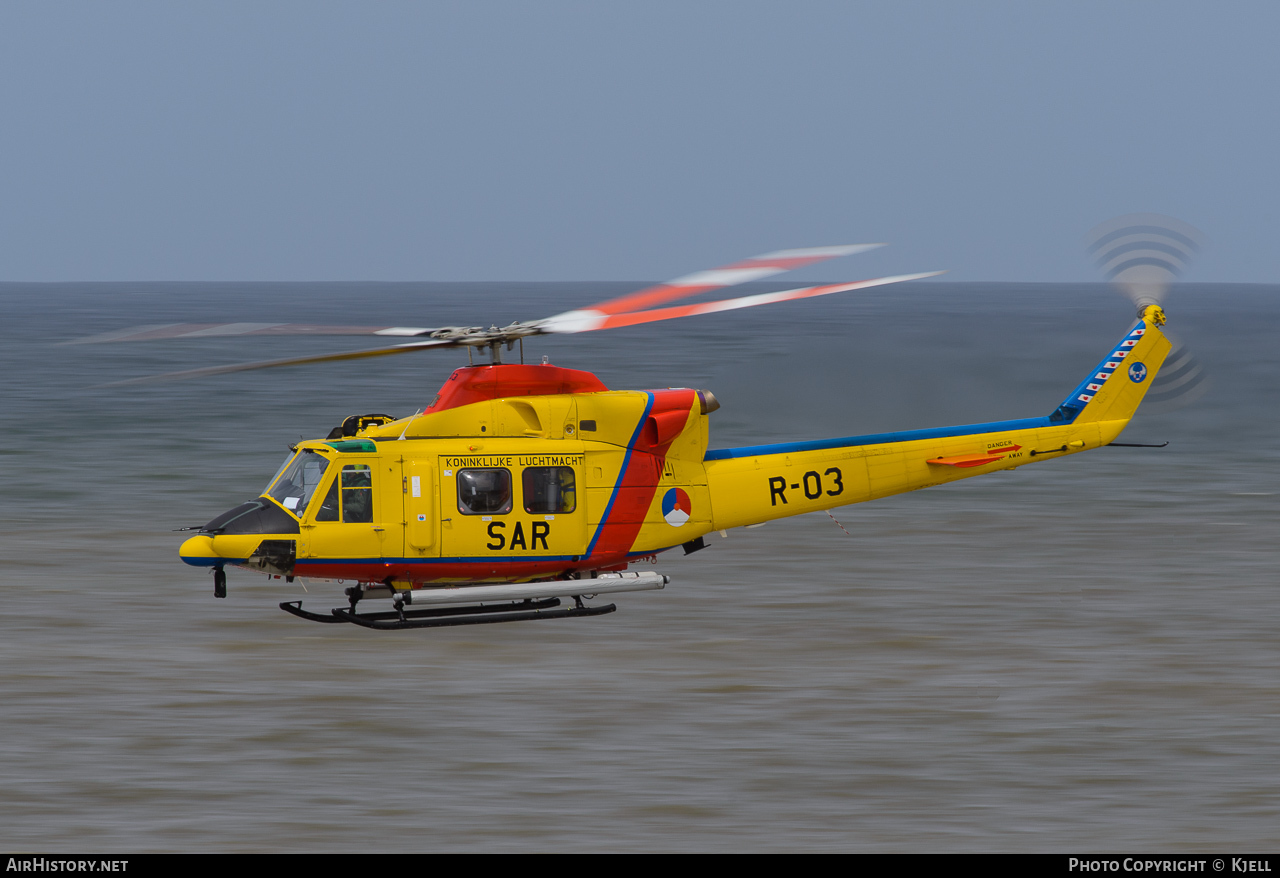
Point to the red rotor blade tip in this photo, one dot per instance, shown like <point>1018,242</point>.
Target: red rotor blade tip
<point>755,268</point>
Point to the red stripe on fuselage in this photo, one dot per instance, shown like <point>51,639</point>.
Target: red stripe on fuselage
<point>641,478</point>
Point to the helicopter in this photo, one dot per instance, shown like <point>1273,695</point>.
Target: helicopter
<point>522,484</point>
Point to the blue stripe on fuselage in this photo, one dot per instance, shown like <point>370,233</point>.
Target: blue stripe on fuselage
<point>880,438</point>
<point>1064,414</point>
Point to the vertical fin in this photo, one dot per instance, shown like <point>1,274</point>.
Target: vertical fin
<point>1117,385</point>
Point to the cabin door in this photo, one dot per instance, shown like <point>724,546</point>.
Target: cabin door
<point>532,507</point>
<point>359,514</point>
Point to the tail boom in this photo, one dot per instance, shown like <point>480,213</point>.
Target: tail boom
<point>760,483</point>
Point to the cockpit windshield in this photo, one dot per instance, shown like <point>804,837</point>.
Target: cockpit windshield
<point>298,481</point>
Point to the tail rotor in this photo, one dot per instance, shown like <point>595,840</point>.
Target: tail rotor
<point>1142,254</point>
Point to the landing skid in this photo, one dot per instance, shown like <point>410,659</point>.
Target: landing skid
<point>484,604</point>
<point>444,617</point>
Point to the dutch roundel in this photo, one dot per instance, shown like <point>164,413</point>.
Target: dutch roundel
<point>676,507</point>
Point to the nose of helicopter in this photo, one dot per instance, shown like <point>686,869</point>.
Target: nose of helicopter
<point>198,552</point>
<point>234,535</point>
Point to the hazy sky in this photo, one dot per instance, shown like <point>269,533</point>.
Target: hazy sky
<point>617,140</point>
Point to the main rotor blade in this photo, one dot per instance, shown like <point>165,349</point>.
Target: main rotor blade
<point>624,311</point>
<point>589,320</point>
<point>220,330</point>
<point>755,268</point>
<point>290,361</point>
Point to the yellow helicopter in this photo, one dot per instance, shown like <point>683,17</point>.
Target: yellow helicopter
<point>521,484</point>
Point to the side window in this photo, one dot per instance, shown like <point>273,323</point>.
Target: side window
<point>329,509</point>
<point>350,497</point>
<point>549,489</point>
<point>357,493</point>
<point>484,491</point>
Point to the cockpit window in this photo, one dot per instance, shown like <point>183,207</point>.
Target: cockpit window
<point>299,480</point>
<point>484,491</point>
<point>331,507</point>
<point>288,460</point>
<point>350,497</point>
